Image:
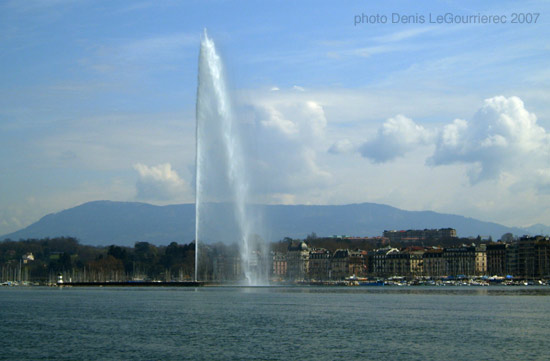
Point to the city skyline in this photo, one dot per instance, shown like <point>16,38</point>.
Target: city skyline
<point>99,103</point>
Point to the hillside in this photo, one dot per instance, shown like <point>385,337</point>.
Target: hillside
<point>124,223</point>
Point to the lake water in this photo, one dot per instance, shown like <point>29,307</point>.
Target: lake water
<point>275,323</point>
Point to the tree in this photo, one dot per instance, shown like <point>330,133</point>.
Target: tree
<point>312,236</point>
<point>117,252</point>
<point>507,237</point>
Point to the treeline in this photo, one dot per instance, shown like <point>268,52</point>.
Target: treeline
<point>41,260</point>
<point>368,244</point>
<point>330,243</point>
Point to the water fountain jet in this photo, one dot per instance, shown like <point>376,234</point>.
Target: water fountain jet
<point>222,183</point>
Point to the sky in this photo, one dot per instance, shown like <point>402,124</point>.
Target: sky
<point>342,102</point>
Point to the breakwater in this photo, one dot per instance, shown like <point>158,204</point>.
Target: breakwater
<point>131,284</point>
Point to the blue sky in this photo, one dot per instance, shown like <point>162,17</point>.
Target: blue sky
<point>98,100</point>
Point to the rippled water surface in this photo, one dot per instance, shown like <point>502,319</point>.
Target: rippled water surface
<point>275,323</point>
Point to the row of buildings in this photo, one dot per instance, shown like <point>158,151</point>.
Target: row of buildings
<point>527,257</point>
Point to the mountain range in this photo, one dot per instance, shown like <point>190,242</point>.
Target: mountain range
<point>124,223</point>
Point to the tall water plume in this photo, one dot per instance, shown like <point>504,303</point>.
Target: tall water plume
<point>223,215</point>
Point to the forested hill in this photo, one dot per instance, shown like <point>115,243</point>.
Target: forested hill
<point>124,223</point>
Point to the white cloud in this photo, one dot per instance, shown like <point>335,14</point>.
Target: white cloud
<point>404,34</point>
<point>293,118</point>
<point>503,137</point>
<point>502,142</point>
<point>159,182</point>
<point>274,119</point>
<point>396,137</point>
<point>283,198</point>
<point>342,146</point>
<point>542,183</point>
<point>283,154</point>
